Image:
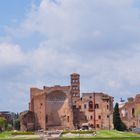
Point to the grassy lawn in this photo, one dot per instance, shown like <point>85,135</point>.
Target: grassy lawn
<point>19,138</point>
<point>8,135</point>
<point>114,133</point>
<point>100,138</point>
<point>5,134</point>
<point>108,135</point>
<point>100,135</point>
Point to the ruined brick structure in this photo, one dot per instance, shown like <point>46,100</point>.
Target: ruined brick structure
<point>27,121</point>
<point>52,107</point>
<point>60,107</point>
<point>130,112</point>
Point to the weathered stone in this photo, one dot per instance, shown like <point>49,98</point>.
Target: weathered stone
<point>27,121</point>
<point>130,112</point>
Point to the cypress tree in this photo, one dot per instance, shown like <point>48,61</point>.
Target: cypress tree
<point>117,122</point>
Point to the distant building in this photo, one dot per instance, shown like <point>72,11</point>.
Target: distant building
<point>121,103</point>
<point>60,107</point>
<point>130,112</point>
<point>97,109</point>
<point>9,116</point>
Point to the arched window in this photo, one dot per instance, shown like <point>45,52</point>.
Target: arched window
<point>133,112</point>
<point>90,104</point>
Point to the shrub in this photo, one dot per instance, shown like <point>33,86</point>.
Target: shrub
<point>9,127</point>
<point>22,133</point>
<point>3,123</point>
<point>16,124</point>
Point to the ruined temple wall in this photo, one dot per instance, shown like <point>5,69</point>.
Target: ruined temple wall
<point>39,110</point>
<point>33,93</point>
<point>60,114</point>
<point>59,107</point>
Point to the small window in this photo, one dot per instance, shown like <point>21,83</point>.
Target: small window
<point>79,106</point>
<point>91,117</point>
<point>96,106</point>
<point>133,112</point>
<point>98,126</point>
<point>68,119</point>
<point>99,117</point>
<point>90,104</point>
<point>107,116</point>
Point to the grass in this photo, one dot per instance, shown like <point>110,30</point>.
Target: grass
<point>19,139</point>
<point>100,135</point>
<point>107,135</point>
<point>114,133</point>
<point>5,134</point>
<point>100,138</point>
<point>10,135</point>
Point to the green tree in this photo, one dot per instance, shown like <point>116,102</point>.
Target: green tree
<point>16,124</point>
<point>3,123</point>
<point>117,122</point>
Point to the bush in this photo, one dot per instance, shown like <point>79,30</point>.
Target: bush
<point>16,124</point>
<point>3,123</point>
<point>9,127</point>
<point>22,133</point>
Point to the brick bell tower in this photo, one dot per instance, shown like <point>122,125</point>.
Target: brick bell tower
<point>75,87</point>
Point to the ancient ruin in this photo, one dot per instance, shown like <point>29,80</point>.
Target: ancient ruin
<point>62,107</point>
<point>130,112</point>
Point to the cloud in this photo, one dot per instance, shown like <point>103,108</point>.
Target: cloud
<point>72,20</point>
<point>10,55</point>
<point>99,33</point>
<point>97,38</point>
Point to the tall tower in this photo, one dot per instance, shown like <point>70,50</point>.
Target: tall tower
<point>75,87</point>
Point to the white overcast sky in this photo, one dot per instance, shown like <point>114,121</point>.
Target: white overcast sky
<point>43,41</point>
